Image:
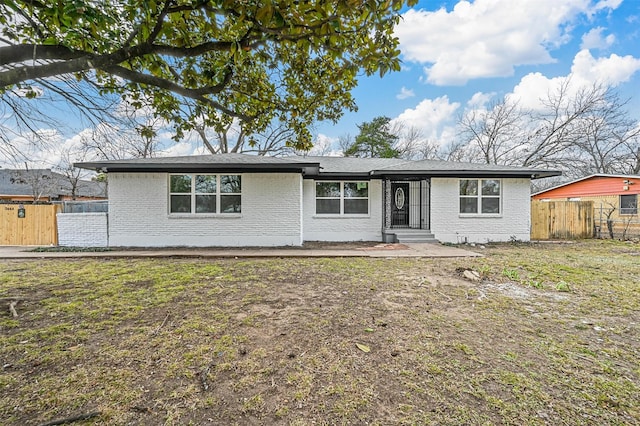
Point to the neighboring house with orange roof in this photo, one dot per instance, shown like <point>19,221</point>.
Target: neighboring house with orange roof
<point>615,198</point>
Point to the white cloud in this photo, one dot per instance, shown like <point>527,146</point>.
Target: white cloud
<point>488,38</point>
<point>594,39</point>
<point>405,93</point>
<point>324,145</point>
<point>44,152</point>
<point>432,116</point>
<point>612,70</point>
<point>585,71</point>
<point>178,149</point>
<point>632,19</point>
<point>480,100</point>
<point>52,149</point>
<point>607,4</point>
<point>532,88</point>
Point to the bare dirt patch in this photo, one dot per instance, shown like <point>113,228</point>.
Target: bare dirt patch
<point>325,341</point>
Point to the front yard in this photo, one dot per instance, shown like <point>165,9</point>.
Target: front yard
<point>548,336</point>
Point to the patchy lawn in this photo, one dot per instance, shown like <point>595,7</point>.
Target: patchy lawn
<point>549,336</point>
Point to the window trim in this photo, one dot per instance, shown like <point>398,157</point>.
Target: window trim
<point>479,197</point>
<point>342,198</point>
<point>193,195</point>
<point>634,211</point>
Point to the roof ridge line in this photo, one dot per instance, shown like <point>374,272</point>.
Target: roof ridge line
<point>395,165</point>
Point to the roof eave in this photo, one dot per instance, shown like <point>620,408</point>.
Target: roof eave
<point>199,167</point>
<point>531,174</point>
<point>339,175</point>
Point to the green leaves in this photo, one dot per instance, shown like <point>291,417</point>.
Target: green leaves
<point>376,139</point>
<point>265,14</point>
<point>254,61</point>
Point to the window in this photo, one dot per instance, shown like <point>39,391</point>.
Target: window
<point>205,193</point>
<point>629,204</point>
<point>480,196</point>
<point>342,198</point>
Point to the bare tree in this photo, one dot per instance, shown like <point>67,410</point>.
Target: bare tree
<point>20,120</point>
<point>112,142</point>
<point>409,141</point>
<point>41,182</point>
<point>493,134</point>
<point>276,139</point>
<point>430,150</point>
<point>631,164</point>
<point>582,132</point>
<point>28,112</point>
<point>222,137</point>
<point>609,138</point>
<point>459,151</point>
<point>552,130</point>
<point>609,213</point>
<point>412,143</point>
<point>76,179</point>
<point>345,141</point>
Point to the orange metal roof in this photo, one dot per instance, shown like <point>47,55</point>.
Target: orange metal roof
<point>593,186</point>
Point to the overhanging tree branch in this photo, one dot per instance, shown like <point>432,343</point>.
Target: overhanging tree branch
<point>196,94</point>
<point>67,61</point>
<point>26,52</point>
<point>255,61</point>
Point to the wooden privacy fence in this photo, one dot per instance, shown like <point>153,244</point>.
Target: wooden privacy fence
<point>36,227</point>
<point>561,220</point>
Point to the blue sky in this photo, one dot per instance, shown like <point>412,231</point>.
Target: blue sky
<point>457,52</point>
<point>463,54</point>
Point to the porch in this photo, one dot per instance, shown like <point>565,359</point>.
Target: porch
<point>406,211</point>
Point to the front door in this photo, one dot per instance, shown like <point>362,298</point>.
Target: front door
<point>400,204</point>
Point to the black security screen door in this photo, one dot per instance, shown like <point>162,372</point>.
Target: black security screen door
<point>400,204</point>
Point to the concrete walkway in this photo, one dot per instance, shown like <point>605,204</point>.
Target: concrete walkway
<point>375,250</point>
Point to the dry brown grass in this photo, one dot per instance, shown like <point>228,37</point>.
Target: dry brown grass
<point>549,336</point>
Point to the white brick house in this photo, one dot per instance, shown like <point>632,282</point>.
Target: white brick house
<point>245,200</point>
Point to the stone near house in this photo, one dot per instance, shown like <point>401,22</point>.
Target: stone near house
<point>471,275</point>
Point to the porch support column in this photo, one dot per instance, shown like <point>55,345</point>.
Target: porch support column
<point>387,204</point>
<point>420,188</point>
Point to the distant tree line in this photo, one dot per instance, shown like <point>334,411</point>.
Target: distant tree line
<point>583,132</point>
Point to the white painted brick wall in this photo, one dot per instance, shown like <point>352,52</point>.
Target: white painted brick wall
<point>449,226</point>
<point>342,228</point>
<point>82,229</point>
<point>139,214</point>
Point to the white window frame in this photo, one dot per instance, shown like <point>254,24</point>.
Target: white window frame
<point>342,198</point>
<point>479,197</point>
<point>218,194</point>
<point>628,211</point>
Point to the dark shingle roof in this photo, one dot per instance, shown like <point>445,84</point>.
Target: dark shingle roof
<point>316,167</point>
<point>446,168</point>
<point>214,163</point>
<point>351,165</point>
<point>395,167</point>
<point>48,183</point>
